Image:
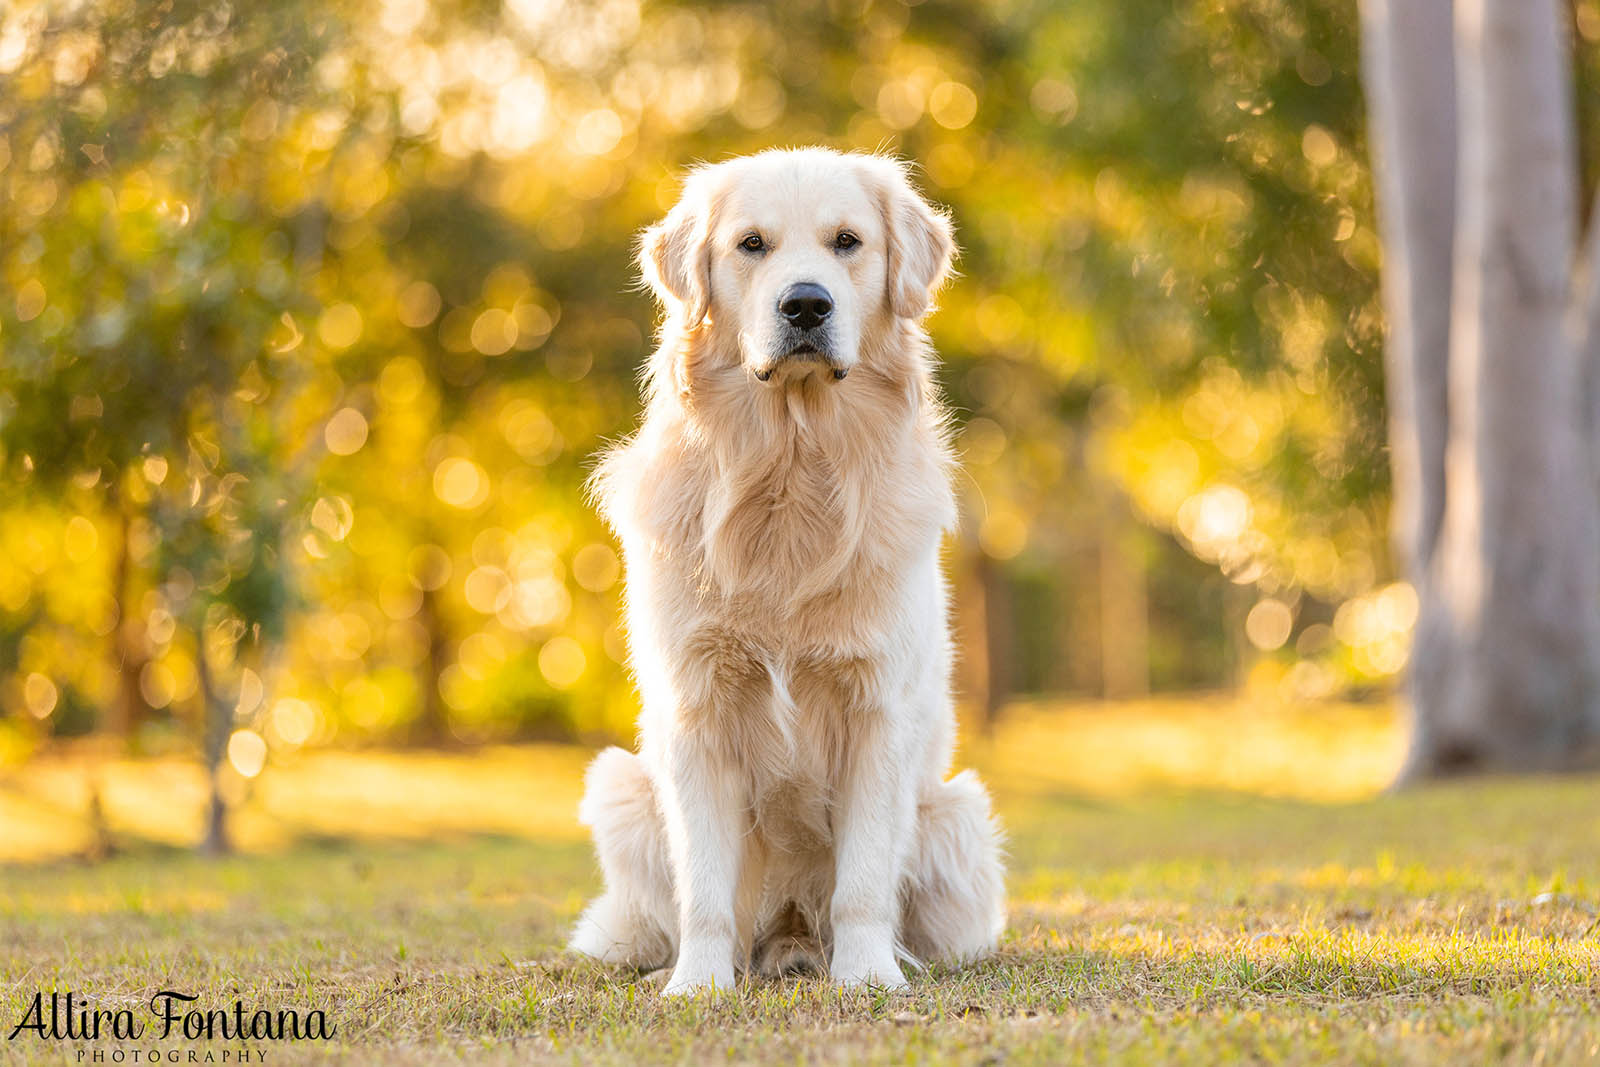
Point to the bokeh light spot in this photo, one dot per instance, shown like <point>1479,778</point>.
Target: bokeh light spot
<point>494,331</point>
<point>333,516</point>
<point>157,684</point>
<point>598,132</point>
<point>1003,534</point>
<point>418,305</point>
<point>346,432</point>
<point>596,567</point>
<point>293,721</point>
<point>460,483</point>
<point>562,662</point>
<point>39,695</point>
<point>247,752</point>
<point>1269,624</point>
<point>953,105</point>
<point>1318,146</point>
<point>487,589</point>
<point>30,300</point>
<point>340,326</point>
<point>80,539</point>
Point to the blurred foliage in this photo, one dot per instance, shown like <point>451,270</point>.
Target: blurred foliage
<point>311,315</point>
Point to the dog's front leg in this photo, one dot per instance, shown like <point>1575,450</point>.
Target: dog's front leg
<point>706,816</point>
<point>874,826</point>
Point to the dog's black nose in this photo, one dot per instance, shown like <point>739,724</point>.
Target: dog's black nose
<point>806,305</point>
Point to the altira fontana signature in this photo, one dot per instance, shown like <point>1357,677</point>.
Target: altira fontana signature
<point>170,1015</point>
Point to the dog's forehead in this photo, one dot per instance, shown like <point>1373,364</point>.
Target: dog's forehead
<point>781,189</point>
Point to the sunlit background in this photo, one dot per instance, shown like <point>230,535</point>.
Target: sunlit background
<point>313,314</point>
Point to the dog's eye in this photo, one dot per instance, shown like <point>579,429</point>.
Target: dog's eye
<point>753,243</point>
<point>846,241</point>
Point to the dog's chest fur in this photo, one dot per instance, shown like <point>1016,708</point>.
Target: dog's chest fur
<point>800,543</point>
<point>778,553</point>
<point>779,525</point>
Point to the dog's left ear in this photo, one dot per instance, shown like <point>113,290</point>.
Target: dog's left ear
<point>675,257</point>
<point>921,242</point>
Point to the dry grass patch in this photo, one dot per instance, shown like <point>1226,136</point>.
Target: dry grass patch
<point>1161,914</point>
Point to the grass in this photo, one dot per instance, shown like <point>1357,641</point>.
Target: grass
<point>1192,882</point>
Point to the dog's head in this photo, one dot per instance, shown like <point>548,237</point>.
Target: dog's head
<point>802,255</point>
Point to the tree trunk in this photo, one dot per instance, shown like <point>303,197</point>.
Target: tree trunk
<point>1507,659</point>
<point>432,727</point>
<point>990,668</point>
<point>128,708</point>
<point>1124,610</point>
<point>1409,76</point>
<point>217,723</point>
<point>1586,323</point>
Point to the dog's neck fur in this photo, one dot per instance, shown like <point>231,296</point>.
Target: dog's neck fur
<point>700,374</point>
<point>787,473</point>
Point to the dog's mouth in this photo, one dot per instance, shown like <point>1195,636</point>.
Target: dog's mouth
<point>804,351</point>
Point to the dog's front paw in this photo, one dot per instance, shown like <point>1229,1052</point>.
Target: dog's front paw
<point>705,971</point>
<point>888,977</point>
<point>873,965</point>
<point>690,985</point>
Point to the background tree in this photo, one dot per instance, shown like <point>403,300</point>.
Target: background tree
<point>139,377</point>
<point>1496,512</point>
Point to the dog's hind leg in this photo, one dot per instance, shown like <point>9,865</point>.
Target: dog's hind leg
<point>954,892</point>
<point>788,946</point>
<point>635,921</point>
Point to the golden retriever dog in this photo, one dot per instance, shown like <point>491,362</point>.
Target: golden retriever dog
<point>780,511</point>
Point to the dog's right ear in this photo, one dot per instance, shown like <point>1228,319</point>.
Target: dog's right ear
<point>675,257</point>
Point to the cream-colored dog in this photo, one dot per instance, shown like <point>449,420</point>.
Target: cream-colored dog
<point>780,511</point>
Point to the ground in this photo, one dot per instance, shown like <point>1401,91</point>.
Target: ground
<point>1191,882</point>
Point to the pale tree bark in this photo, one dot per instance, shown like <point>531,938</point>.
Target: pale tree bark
<point>1506,668</point>
<point>1586,330</point>
<point>1408,71</point>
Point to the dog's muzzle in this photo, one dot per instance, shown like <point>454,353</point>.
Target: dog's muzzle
<point>804,308</point>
